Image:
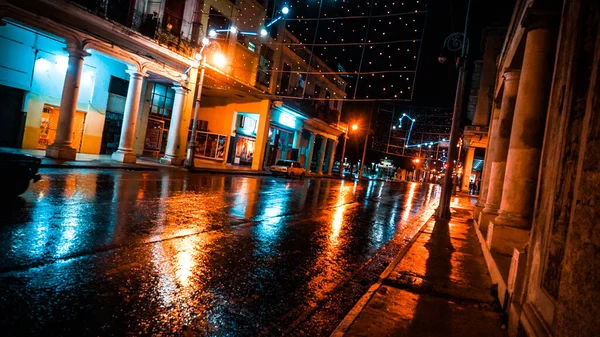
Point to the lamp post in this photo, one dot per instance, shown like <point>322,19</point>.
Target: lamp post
<point>342,158</point>
<point>454,42</point>
<point>191,149</point>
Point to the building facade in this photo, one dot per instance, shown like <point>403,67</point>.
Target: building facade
<point>539,222</point>
<point>119,77</point>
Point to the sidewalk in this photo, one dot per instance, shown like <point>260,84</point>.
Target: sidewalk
<point>101,161</point>
<point>440,286</point>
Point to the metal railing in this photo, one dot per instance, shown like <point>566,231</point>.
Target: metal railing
<point>170,30</point>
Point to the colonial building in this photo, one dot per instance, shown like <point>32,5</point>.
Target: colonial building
<point>475,137</point>
<point>538,223</point>
<point>120,77</point>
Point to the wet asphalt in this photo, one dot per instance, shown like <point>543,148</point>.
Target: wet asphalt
<point>168,253</point>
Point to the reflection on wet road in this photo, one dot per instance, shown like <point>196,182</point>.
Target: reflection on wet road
<point>169,253</point>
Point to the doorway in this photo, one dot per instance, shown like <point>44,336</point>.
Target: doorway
<point>12,117</point>
<point>49,124</point>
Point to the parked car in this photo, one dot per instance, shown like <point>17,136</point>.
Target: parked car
<point>288,168</point>
<point>17,171</point>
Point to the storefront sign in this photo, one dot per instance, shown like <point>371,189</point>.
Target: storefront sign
<point>287,120</point>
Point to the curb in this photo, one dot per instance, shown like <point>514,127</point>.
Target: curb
<point>229,172</point>
<point>99,167</point>
<point>353,314</point>
<point>253,173</point>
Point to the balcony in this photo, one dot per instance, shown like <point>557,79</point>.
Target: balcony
<point>169,30</point>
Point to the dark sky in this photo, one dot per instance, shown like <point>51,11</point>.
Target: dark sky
<point>404,40</point>
<point>336,30</point>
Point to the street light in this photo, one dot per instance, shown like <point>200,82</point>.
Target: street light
<point>454,42</point>
<point>200,56</point>
<point>368,131</point>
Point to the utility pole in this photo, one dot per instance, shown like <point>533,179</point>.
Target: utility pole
<point>443,211</point>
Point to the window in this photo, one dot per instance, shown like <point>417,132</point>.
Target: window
<point>317,91</point>
<point>273,32</point>
<point>216,20</point>
<point>327,94</point>
<point>118,86</point>
<point>265,65</point>
<point>161,102</point>
<point>285,79</point>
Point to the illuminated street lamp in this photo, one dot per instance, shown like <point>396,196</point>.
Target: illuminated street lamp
<point>368,131</point>
<point>219,60</point>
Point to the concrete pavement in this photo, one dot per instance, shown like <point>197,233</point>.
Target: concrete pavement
<point>438,286</point>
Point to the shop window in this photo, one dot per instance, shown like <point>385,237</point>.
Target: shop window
<point>210,145</point>
<point>244,150</point>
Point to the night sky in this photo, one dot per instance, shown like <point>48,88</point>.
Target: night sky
<point>337,29</point>
<point>400,59</point>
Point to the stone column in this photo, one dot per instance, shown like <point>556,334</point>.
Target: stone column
<point>321,155</point>
<point>511,228</point>
<point>309,152</point>
<point>334,145</point>
<point>62,148</point>
<point>501,138</point>
<point>468,168</point>
<point>171,157</point>
<point>132,103</point>
<point>485,174</point>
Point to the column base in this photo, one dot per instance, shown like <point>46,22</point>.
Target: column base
<point>504,239</point>
<point>62,152</point>
<point>477,210</point>
<point>124,157</point>
<point>484,219</point>
<point>170,160</point>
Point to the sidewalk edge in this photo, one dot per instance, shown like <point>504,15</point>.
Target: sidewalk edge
<point>99,167</point>
<point>353,314</point>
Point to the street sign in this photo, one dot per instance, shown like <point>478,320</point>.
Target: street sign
<point>444,144</point>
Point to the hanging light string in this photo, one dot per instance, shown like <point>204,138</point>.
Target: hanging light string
<point>362,56</point>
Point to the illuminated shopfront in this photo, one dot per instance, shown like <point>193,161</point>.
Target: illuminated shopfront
<point>285,130</point>
<point>244,139</point>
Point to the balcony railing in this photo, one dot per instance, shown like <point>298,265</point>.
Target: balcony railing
<point>170,30</point>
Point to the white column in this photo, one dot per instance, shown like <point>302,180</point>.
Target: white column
<point>321,155</point>
<point>62,148</point>
<point>171,157</point>
<point>309,152</point>
<point>297,139</point>
<point>334,145</point>
<point>132,104</point>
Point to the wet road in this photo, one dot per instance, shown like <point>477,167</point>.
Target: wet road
<point>100,253</point>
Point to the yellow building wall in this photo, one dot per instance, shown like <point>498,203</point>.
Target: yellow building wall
<point>221,119</point>
<point>92,132</point>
